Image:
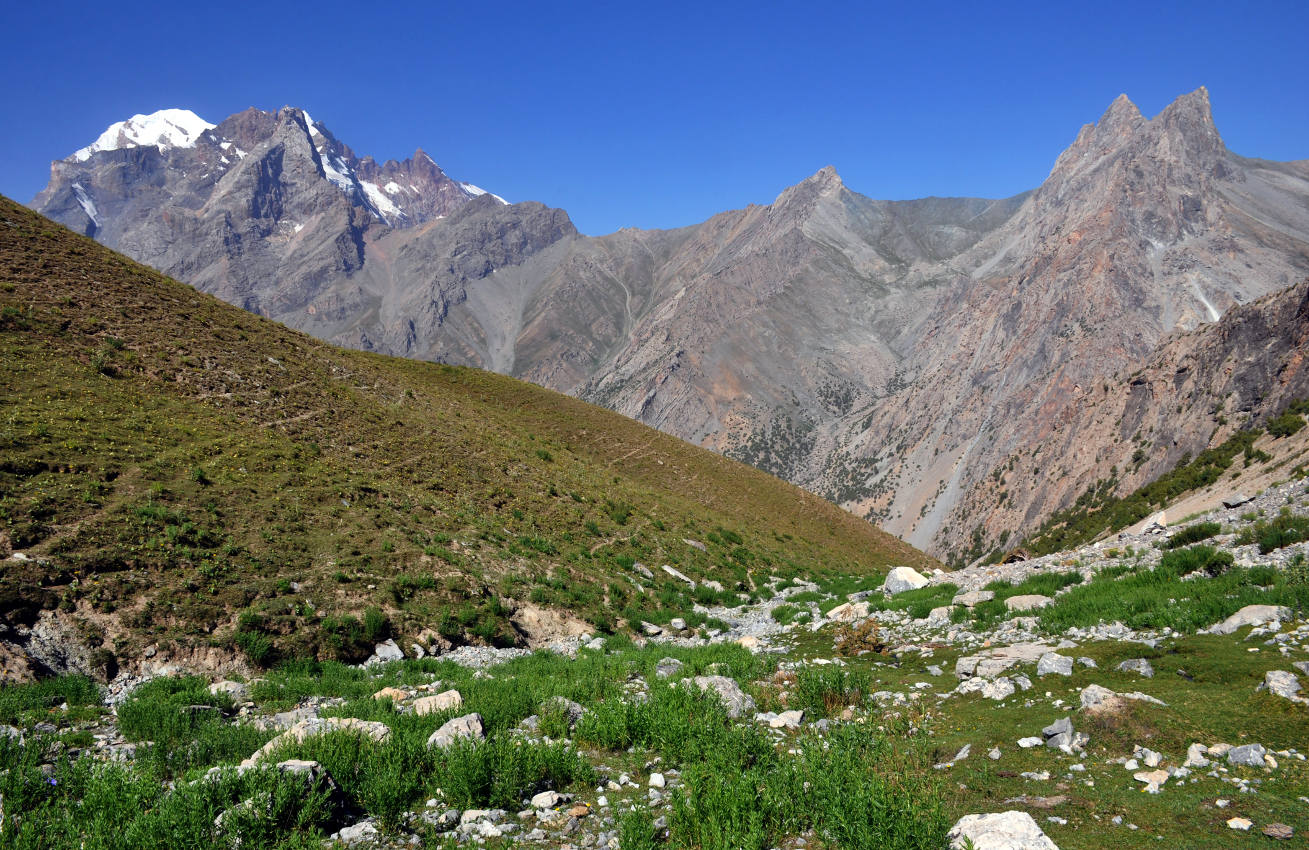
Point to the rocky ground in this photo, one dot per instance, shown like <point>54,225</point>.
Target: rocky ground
<point>1039,736</point>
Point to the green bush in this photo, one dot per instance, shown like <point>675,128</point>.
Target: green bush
<point>823,690</point>
<point>185,725</point>
<point>1286,425</point>
<point>1165,597</point>
<point>257,646</point>
<point>17,702</point>
<point>1182,562</point>
<point>1286,528</point>
<point>111,806</point>
<point>1193,534</point>
<point>784,613</point>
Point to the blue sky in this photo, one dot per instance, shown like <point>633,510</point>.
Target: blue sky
<point>661,114</point>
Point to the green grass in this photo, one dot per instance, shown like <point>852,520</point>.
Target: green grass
<point>32,702</point>
<point>1189,589</point>
<point>184,726</point>
<point>917,603</point>
<point>86,804</point>
<point>987,614</point>
<point>176,463</point>
<point>858,788</point>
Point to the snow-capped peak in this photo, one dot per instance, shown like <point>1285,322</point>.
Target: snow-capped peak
<point>167,128</point>
<point>474,191</point>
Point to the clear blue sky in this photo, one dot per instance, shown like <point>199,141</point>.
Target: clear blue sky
<point>661,114</point>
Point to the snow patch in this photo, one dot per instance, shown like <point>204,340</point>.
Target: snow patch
<point>392,187</point>
<point>313,128</point>
<point>1199,293</point>
<point>338,172</point>
<point>88,205</point>
<point>386,210</point>
<point>167,128</point>
<point>474,191</point>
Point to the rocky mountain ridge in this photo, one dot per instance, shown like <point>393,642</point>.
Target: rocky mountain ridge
<point>887,355</point>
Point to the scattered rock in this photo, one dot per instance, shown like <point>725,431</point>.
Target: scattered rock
<point>1053,663</point>
<point>393,694</point>
<point>1249,755</point>
<point>736,701</point>
<point>1013,830</point>
<point>677,624</point>
<point>1251,615</point>
<point>1242,824</point>
<point>1283,684</point>
<point>901,579</point>
<point>1136,665</point>
<point>469,726</point>
<point>667,668</point>
<point>438,703</point>
<point>657,780</point>
<point>1280,831</point>
<point>1027,602</point>
<point>1236,500</point>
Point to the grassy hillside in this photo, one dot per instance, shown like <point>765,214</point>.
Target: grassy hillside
<point>182,470</point>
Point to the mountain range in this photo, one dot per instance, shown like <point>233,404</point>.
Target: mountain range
<point>892,356</point>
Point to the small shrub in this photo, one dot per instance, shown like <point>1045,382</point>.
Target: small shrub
<point>1286,425</point>
<point>257,646</point>
<point>1283,530</point>
<point>1193,534</point>
<point>784,613</point>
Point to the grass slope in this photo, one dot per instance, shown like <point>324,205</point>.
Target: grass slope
<point>184,470</point>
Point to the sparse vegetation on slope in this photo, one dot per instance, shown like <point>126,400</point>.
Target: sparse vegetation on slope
<point>183,470</point>
<point>1098,510</point>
